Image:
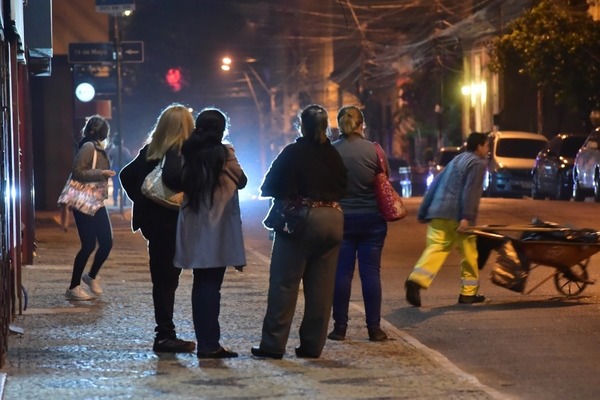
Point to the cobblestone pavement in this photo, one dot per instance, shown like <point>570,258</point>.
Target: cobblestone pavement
<point>102,349</point>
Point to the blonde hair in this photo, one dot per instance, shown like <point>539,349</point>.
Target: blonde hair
<point>173,127</point>
<point>350,118</point>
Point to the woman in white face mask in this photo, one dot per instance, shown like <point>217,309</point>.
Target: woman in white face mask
<point>91,165</point>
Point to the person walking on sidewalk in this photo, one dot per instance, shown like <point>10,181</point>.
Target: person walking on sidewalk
<point>209,228</point>
<point>91,228</point>
<point>450,206</point>
<point>365,228</point>
<point>113,155</point>
<point>157,223</point>
<point>309,172</point>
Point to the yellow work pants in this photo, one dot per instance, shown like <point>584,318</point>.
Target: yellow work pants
<point>441,237</point>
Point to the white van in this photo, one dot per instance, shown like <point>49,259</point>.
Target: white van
<point>586,170</point>
<point>510,161</point>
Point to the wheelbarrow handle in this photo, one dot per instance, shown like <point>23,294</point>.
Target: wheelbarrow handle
<point>487,234</point>
<point>519,228</point>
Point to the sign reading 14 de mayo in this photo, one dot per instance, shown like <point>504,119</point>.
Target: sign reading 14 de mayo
<point>114,6</point>
<point>91,53</point>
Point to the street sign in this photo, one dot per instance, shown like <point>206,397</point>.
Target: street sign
<point>114,6</point>
<point>102,78</point>
<point>132,51</point>
<point>91,53</point>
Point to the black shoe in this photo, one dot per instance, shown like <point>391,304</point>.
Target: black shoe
<point>413,293</point>
<point>173,346</point>
<point>258,352</point>
<point>221,353</point>
<point>337,333</point>
<point>477,298</point>
<point>301,353</point>
<point>377,335</point>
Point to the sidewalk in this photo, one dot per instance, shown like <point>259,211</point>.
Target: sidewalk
<point>102,349</point>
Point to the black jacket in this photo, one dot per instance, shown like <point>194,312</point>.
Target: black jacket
<point>147,213</point>
<point>306,169</point>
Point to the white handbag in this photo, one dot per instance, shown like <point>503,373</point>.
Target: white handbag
<point>154,189</point>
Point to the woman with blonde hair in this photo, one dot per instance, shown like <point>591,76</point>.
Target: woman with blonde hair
<point>158,223</point>
<point>365,228</point>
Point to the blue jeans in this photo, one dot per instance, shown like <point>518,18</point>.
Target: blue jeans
<point>364,235</point>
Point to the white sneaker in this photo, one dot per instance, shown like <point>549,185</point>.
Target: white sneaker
<point>92,283</point>
<point>77,293</point>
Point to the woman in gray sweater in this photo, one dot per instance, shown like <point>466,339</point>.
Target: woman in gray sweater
<point>365,228</point>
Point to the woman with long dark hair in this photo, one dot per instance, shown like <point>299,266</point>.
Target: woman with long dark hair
<point>91,228</point>
<point>209,229</point>
<point>309,173</point>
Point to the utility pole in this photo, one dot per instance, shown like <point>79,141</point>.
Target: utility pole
<point>119,65</point>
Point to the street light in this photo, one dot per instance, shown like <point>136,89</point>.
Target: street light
<point>226,65</point>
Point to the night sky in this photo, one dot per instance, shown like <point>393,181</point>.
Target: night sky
<point>191,36</point>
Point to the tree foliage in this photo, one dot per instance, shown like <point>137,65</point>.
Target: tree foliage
<point>557,45</point>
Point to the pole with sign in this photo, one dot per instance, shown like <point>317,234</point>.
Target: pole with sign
<point>116,7</point>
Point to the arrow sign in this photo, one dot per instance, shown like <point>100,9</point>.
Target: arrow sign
<point>132,51</point>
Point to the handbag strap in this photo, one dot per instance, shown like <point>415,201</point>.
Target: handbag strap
<point>381,158</point>
<point>95,158</point>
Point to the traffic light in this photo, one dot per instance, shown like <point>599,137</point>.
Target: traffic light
<point>174,79</point>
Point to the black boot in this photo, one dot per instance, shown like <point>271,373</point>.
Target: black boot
<point>338,332</point>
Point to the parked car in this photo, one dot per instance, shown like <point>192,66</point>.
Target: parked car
<point>586,171</point>
<point>552,174</point>
<point>510,161</point>
<point>441,159</point>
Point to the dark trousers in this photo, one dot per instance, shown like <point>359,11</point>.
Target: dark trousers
<point>165,277</point>
<point>206,306</point>
<point>364,236</point>
<point>310,258</point>
<point>91,228</point>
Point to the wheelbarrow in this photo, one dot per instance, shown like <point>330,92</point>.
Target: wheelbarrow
<point>541,244</point>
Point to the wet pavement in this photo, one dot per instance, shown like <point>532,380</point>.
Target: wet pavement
<point>102,349</point>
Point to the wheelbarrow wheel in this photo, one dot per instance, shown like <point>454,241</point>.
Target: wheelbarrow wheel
<point>571,282</point>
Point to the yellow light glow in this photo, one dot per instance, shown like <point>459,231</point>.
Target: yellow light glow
<point>475,90</point>
<point>226,60</point>
<point>225,67</point>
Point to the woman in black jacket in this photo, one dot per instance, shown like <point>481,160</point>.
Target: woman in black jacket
<point>158,223</point>
<point>309,172</point>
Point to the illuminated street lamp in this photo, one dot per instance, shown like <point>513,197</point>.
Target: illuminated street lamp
<point>226,65</point>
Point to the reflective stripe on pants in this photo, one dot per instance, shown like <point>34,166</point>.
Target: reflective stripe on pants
<point>441,238</point>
